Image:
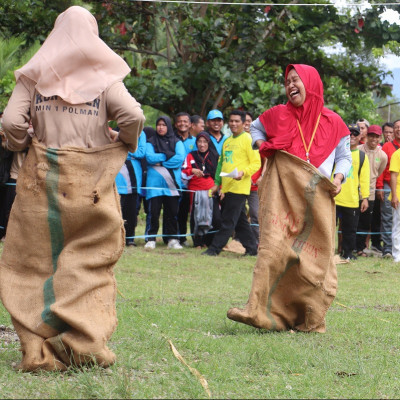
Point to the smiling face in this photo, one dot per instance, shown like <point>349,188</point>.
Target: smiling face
<point>354,140</point>
<point>235,125</point>
<point>215,125</point>
<point>295,90</point>
<point>396,131</point>
<point>373,140</point>
<point>202,144</point>
<point>247,123</point>
<point>182,124</point>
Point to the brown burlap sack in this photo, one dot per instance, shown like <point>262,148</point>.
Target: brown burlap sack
<point>294,279</point>
<point>65,235</point>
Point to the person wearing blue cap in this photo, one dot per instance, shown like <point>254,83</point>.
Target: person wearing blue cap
<point>215,122</point>
<point>237,163</point>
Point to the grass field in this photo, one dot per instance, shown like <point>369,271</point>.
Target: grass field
<point>180,296</point>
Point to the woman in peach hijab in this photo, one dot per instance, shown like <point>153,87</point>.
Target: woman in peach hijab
<point>65,232</point>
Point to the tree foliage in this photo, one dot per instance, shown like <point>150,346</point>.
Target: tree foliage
<point>13,54</point>
<point>32,18</point>
<point>194,57</point>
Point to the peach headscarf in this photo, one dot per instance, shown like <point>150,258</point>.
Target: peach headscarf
<point>73,62</point>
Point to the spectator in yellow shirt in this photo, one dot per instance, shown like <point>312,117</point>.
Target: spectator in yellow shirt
<point>347,201</point>
<point>394,198</point>
<point>239,159</point>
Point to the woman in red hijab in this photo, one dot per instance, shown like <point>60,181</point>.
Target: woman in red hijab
<point>295,280</point>
<point>304,127</point>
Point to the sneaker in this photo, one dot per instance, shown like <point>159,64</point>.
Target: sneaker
<point>350,257</point>
<point>362,253</point>
<point>209,252</point>
<point>174,244</point>
<point>377,248</point>
<point>250,253</point>
<point>369,252</point>
<point>151,244</point>
<point>387,255</point>
<point>130,243</point>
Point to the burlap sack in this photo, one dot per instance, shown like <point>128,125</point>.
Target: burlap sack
<point>65,235</point>
<point>294,279</point>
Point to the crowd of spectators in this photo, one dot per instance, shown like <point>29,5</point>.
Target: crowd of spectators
<point>175,170</point>
<point>184,179</point>
<point>367,207</point>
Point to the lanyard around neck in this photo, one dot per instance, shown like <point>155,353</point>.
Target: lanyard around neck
<point>203,163</point>
<point>307,149</point>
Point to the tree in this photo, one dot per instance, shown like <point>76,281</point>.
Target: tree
<point>13,55</point>
<point>194,57</point>
<point>32,18</point>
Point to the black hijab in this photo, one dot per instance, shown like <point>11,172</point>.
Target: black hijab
<point>207,159</point>
<point>164,144</point>
<point>149,132</point>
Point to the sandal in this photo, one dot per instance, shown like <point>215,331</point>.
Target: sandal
<point>361,254</point>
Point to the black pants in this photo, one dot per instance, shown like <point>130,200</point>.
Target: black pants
<point>3,194</point>
<point>8,200</point>
<point>233,218</point>
<point>207,239</point>
<point>376,224</point>
<point>129,213</point>
<point>364,225</point>
<point>141,199</point>
<point>169,204</point>
<point>349,217</point>
<point>183,213</point>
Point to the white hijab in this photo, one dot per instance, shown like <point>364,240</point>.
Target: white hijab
<point>73,62</point>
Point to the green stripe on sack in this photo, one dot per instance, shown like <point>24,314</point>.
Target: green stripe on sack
<point>309,195</point>
<point>56,238</point>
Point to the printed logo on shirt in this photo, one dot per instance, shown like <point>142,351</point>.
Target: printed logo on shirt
<point>228,156</point>
<point>350,174</point>
<point>347,144</point>
<point>41,104</point>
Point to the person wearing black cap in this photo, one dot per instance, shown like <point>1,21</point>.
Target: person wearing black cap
<point>347,201</point>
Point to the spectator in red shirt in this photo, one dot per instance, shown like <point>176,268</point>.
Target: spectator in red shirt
<point>199,168</point>
<point>383,186</point>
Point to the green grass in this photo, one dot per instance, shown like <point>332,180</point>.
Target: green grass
<point>183,296</point>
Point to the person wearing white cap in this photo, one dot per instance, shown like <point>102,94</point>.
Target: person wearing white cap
<point>363,124</point>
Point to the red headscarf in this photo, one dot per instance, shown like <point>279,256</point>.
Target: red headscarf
<point>280,122</point>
